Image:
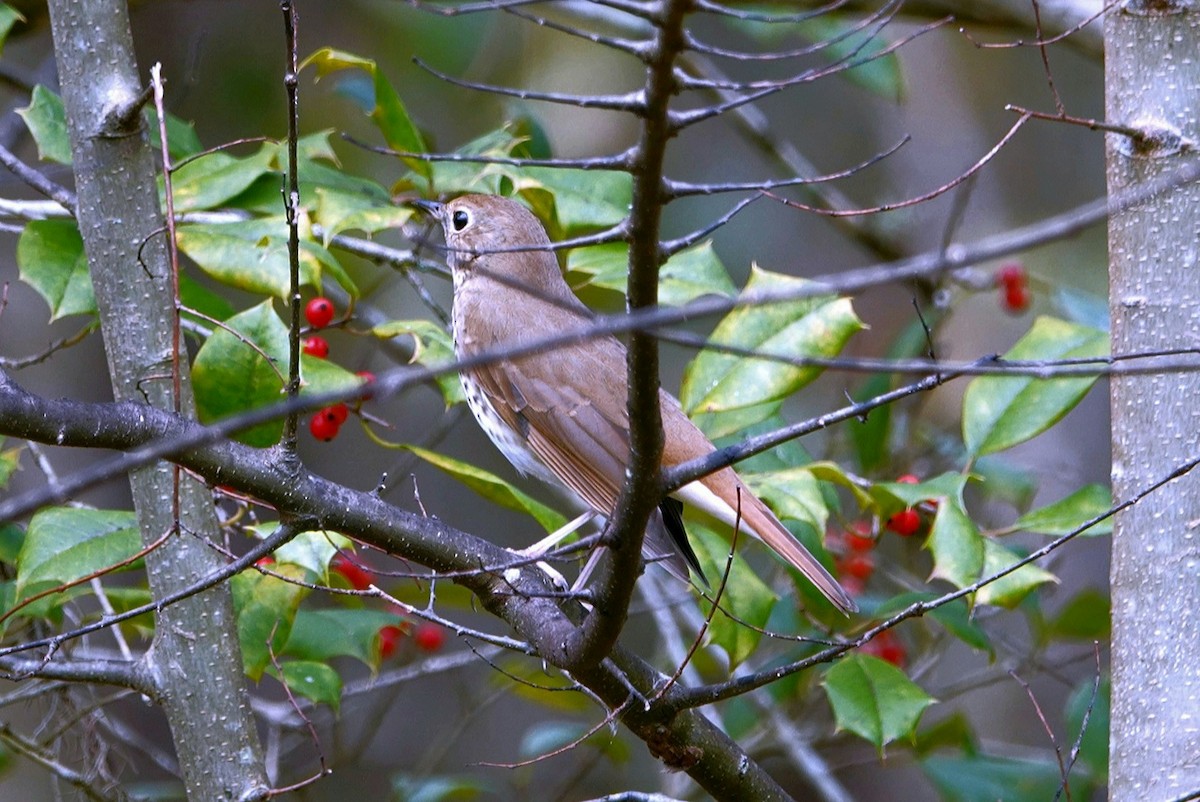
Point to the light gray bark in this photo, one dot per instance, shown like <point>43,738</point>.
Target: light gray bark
<point>1153,82</point>
<point>194,660</point>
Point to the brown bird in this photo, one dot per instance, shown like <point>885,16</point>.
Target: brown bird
<point>560,414</point>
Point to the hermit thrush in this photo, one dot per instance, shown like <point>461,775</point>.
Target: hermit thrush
<point>560,414</point>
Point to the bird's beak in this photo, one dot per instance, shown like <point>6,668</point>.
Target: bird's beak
<point>431,208</point>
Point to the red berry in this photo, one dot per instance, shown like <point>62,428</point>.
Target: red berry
<point>336,413</point>
<point>389,638</point>
<point>858,536</point>
<point>358,577</point>
<point>315,345</point>
<point>323,427</point>
<point>908,479</point>
<point>860,566</point>
<point>1016,298</point>
<point>887,646</point>
<point>263,562</point>
<point>1011,274</point>
<point>429,637</point>
<point>905,523</point>
<point>319,312</point>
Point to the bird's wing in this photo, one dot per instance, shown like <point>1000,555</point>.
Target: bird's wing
<point>545,398</point>
<point>551,399</point>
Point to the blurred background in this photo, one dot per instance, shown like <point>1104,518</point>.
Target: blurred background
<point>223,63</point>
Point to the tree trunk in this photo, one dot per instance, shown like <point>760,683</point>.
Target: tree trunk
<point>195,660</point>
<point>1153,83</point>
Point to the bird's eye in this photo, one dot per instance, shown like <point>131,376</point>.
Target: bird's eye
<point>460,220</point>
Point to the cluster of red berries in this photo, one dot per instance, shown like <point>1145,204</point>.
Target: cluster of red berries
<point>855,567</point>
<point>856,563</point>
<point>1013,283</point>
<point>325,424</point>
<point>426,635</point>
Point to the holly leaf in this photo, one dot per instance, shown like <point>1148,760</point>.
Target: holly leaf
<point>958,547</point>
<point>492,487</point>
<point>1068,514</point>
<point>874,700</point>
<point>686,276</point>
<point>432,347</point>
<point>46,119</point>
<point>717,381</point>
<point>387,112</point>
<point>65,544</point>
<point>252,255</point>
<point>1010,589</point>
<point>51,260</point>
<point>213,179</point>
<point>1000,412</point>
<point>266,607</point>
<point>321,635</point>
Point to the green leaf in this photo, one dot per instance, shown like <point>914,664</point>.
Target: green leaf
<point>874,700</point>
<point>1009,590</point>
<point>891,497</point>
<point>1001,411</point>
<point>981,778</point>
<point>582,199</point>
<point>314,681</point>
<point>46,119</point>
<point>63,544</point>
<point>1068,514</point>
<point>51,260</point>
<point>688,275</point>
<point>958,548</point>
<point>322,635</point>
<point>265,607</point>
<point>458,178</point>
<point>8,18</point>
<point>252,255</point>
<point>745,596</point>
<point>338,211</point>
<point>310,550</point>
<point>832,472</point>
<point>744,420</point>
<point>213,179</point>
<point>1093,749</point>
<point>229,376</point>
<point>1087,616</point>
<point>432,347</point>
<point>821,326</point>
<point>492,487</point>
<point>388,113</point>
